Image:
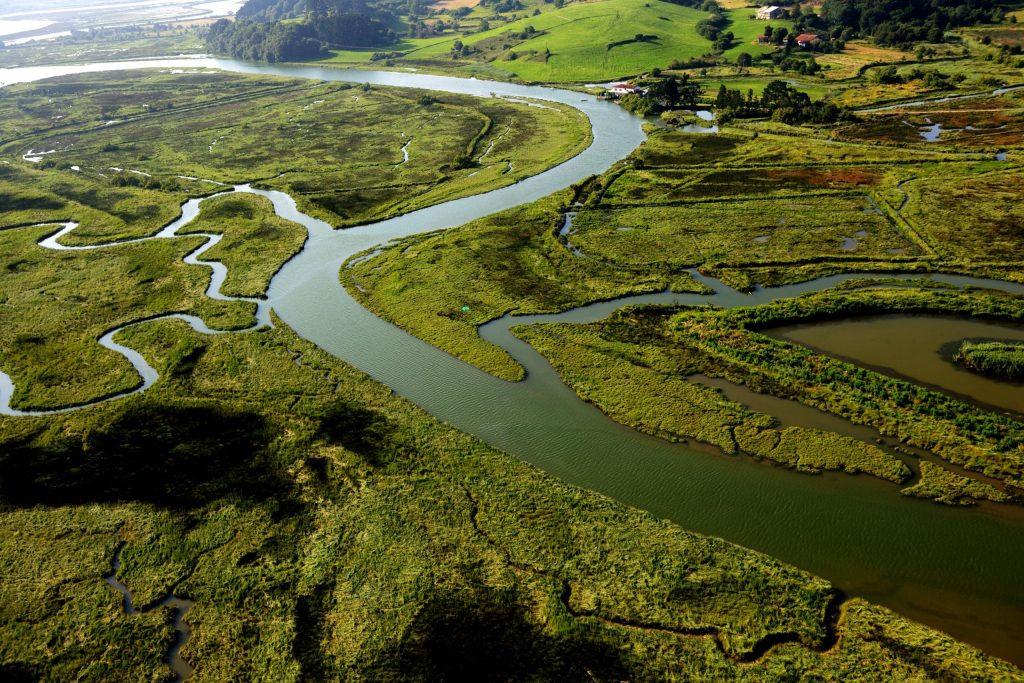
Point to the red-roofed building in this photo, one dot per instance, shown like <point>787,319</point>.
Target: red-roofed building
<point>805,39</point>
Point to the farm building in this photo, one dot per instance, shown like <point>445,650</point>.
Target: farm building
<point>769,12</point>
<point>805,39</point>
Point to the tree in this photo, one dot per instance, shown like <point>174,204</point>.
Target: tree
<point>638,104</point>
<point>779,34</point>
<point>689,92</point>
<point>744,60</point>
<point>672,91</point>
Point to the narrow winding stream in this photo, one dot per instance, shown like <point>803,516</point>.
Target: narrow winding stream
<point>182,669</point>
<point>955,569</point>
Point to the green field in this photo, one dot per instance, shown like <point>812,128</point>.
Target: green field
<point>710,86</point>
<point>577,36</point>
<point>572,43</point>
<point>746,27</point>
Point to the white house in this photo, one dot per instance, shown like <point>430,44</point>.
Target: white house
<point>769,12</point>
<point>620,89</point>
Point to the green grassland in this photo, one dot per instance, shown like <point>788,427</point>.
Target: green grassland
<point>743,231</point>
<point>744,84</point>
<point>579,43</point>
<point>288,133</point>
<point>746,27</point>
<point>577,36</point>
<point>328,529</point>
<point>594,42</point>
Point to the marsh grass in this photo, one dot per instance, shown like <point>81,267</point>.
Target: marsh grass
<point>56,304</point>
<point>335,148</point>
<point>387,544</point>
<point>939,484</point>
<point>256,241</point>
<point>1004,360</point>
<point>645,386</point>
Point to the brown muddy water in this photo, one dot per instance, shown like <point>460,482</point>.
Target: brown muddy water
<point>918,348</point>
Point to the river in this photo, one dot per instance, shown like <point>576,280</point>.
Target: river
<point>955,569</point>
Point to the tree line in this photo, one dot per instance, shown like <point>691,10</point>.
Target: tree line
<point>897,22</point>
<point>780,101</point>
<point>294,30</point>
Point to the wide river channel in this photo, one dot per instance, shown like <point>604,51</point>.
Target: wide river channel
<point>956,569</point>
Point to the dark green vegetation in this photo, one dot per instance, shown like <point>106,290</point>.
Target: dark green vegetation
<point>327,529</point>
<point>993,358</point>
<point>285,31</point>
<point>778,101</point>
<point>901,23</point>
<point>336,149</point>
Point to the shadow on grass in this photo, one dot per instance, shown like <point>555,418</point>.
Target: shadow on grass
<point>178,457</point>
<point>367,433</point>
<point>486,635</point>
